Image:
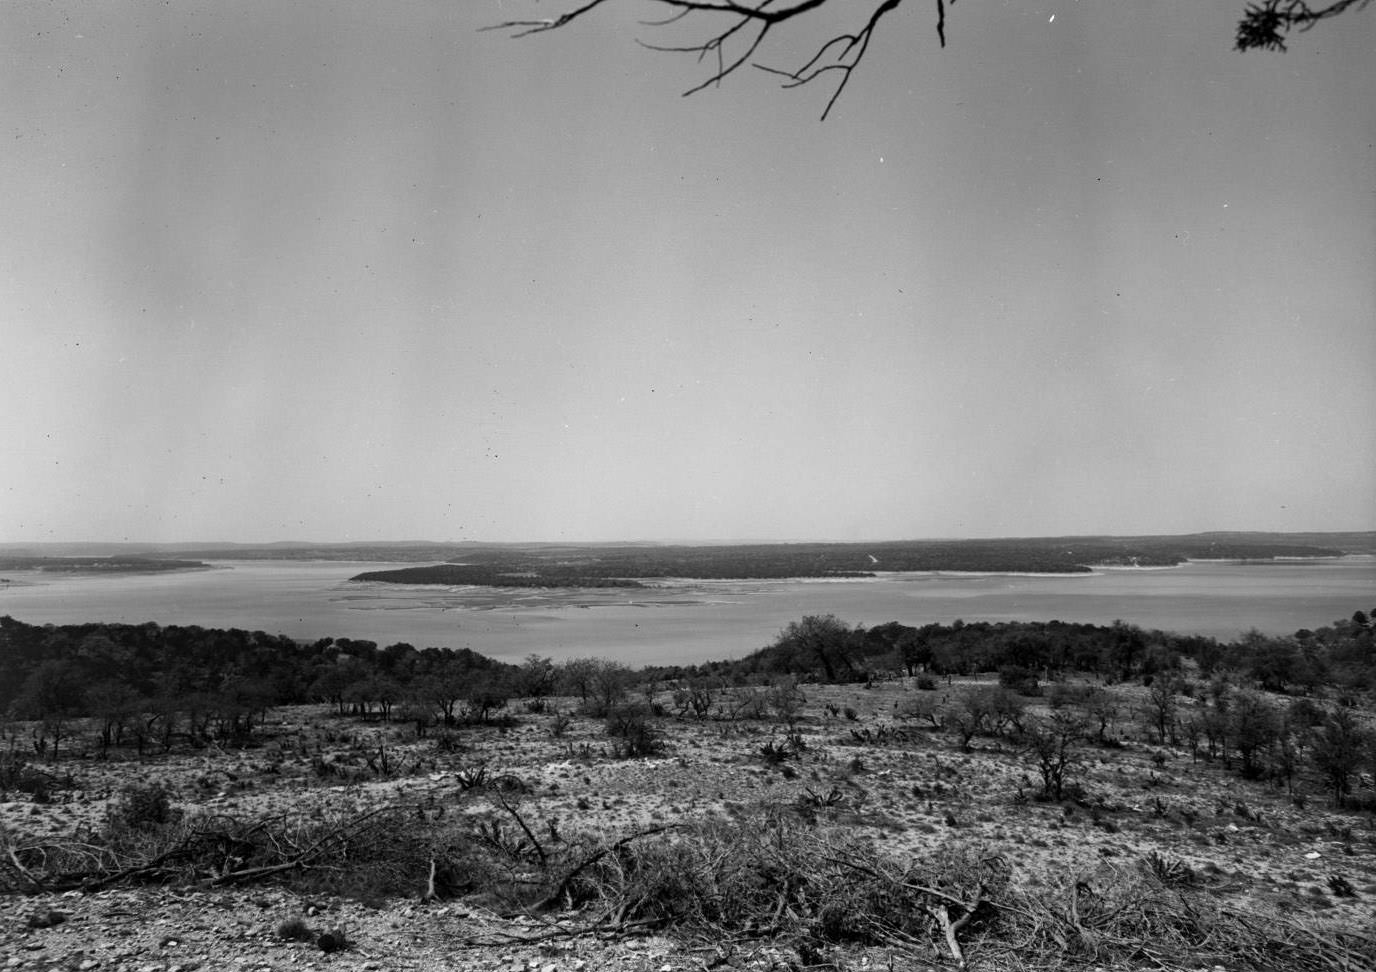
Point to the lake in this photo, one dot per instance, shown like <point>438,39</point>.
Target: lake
<point>689,621</point>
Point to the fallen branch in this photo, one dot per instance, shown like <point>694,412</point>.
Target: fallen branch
<point>562,889</point>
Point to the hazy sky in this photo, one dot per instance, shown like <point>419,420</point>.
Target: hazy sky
<point>355,270</point>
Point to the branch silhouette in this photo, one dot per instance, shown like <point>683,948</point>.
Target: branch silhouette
<point>734,32</point>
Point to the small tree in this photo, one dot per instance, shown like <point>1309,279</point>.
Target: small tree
<point>487,694</point>
<point>1054,742</point>
<point>537,677</point>
<point>576,678</point>
<point>1101,709</point>
<point>1252,727</point>
<point>1006,709</point>
<point>819,640</point>
<point>446,687</point>
<point>970,716</point>
<point>609,683</point>
<point>116,705</point>
<point>52,696</point>
<point>786,700</point>
<point>1339,750</point>
<point>1161,706</point>
<point>697,697</point>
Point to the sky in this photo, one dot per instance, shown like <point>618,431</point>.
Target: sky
<point>350,270</point>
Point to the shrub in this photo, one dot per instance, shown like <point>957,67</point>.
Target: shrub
<point>1341,887</point>
<point>18,775</point>
<point>920,707</point>
<point>1019,679</point>
<point>142,808</point>
<point>447,741</point>
<point>560,724</point>
<point>295,930</point>
<point>1061,694</point>
<point>333,941</point>
<point>631,724</point>
<point>1170,871</point>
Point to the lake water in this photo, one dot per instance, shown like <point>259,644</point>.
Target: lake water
<point>689,621</point>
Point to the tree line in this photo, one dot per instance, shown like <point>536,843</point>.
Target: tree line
<point>824,648</point>
<point>151,687</point>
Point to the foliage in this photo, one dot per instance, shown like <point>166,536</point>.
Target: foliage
<point>1019,679</point>
<point>149,685</point>
<point>1264,25</point>
<point>634,729</point>
<point>18,775</point>
<point>1340,748</point>
<point>818,646</point>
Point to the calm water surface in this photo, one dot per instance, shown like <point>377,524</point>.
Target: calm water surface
<point>688,621</point>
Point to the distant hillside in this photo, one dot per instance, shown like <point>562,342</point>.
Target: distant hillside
<point>98,565</point>
<point>629,564</point>
<point>626,565</point>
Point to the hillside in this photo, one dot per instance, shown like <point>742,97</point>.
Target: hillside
<point>848,798</point>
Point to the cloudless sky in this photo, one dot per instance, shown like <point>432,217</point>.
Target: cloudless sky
<point>356,270</point>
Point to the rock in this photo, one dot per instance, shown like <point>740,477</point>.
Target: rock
<point>334,941</point>
<point>46,918</point>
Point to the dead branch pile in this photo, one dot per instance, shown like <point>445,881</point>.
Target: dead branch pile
<point>774,877</point>
<point>768,876</point>
<point>1119,916</point>
<point>376,854</point>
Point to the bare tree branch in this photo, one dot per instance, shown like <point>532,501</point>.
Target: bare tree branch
<point>736,44</point>
<point>523,28</point>
<point>852,44</point>
<point>1264,24</point>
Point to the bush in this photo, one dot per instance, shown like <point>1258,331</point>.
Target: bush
<point>142,809</point>
<point>18,775</point>
<point>1061,694</point>
<point>560,724</point>
<point>295,930</point>
<point>1019,679</point>
<point>447,741</point>
<point>631,724</point>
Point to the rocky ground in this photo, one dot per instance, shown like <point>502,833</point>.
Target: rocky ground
<point>1256,846</point>
<point>179,930</point>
